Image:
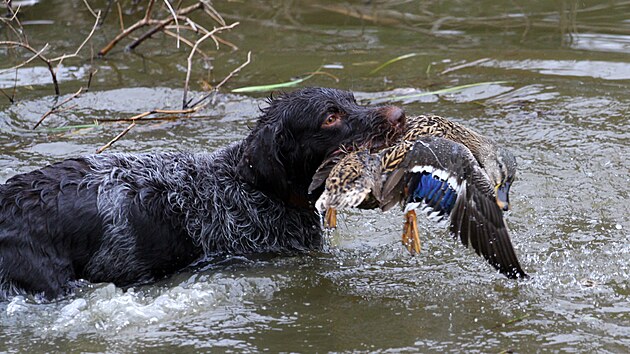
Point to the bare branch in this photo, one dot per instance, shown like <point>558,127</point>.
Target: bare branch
<point>56,107</point>
<point>89,83</point>
<point>90,9</point>
<point>36,55</point>
<point>48,62</point>
<point>147,14</point>
<point>120,16</point>
<point>126,32</point>
<point>235,71</point>
<point>174,15</point>
<point>12,97</point>
<point>187,42</point>
<point>163,24</point>
<point>111,142</point>
<point>139,117</point>
<point>192,52</point>
<point>197,105</point>
<point>210,11</point>
<point>76,52</point>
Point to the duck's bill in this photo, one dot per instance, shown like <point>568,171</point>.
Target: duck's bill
<point>502,192</point>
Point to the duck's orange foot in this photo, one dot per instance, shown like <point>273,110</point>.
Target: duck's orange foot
<point>410,236</point>
<point>330,218</point>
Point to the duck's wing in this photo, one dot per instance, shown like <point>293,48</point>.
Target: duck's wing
<point>319,178</point>
<point>444,180</point>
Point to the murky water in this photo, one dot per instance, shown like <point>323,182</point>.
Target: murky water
<point>561,107</point>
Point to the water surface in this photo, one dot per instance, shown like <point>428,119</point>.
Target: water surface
<point>561,107</point>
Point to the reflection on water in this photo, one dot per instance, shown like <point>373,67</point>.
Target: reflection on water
<point>561,107</point>
<point>591,68</point>
<point>601,42</point>
<point>38,75</point>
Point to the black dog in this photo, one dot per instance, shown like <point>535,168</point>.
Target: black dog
<point>130,218</point>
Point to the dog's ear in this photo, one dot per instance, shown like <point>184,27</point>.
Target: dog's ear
<point>261,163</point>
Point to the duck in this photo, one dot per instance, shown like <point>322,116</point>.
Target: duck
<point>453,174</point>
<point>498,163</point>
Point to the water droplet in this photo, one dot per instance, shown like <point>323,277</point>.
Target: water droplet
<point>618,227</point>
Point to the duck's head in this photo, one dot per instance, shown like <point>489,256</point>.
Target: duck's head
<point>502,171</point>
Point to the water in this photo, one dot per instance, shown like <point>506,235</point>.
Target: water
<point>561,109</point>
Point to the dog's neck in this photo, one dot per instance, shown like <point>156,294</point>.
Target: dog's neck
<point>300,201</point>
<point>298,197</point>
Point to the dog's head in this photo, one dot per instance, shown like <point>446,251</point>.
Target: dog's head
<point>298,130</point>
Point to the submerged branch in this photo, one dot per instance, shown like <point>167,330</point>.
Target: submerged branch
<point>56,107</point>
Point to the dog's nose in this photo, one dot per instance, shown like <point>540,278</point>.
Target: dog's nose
<point>395,116</point>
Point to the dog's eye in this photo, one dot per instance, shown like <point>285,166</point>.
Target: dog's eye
<point>331,119</point>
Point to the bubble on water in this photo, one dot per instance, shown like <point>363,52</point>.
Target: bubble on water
<point>618,227</point>
<point>16,306</point>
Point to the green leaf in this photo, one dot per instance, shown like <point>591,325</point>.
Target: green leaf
<point>70,127</point>
<point>392,61</point>
<point>271,87</point>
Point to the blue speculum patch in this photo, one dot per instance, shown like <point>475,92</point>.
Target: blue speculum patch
<point>433,191</point>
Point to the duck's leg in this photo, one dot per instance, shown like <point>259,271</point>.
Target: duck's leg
<point>411,237</point>
<point>330,219</point>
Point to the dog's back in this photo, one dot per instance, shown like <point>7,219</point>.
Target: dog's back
<point>128,218</point>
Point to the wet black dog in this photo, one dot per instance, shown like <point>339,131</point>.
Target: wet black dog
<point>130,218</point>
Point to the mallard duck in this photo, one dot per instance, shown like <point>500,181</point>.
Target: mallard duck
<point>431,169</point>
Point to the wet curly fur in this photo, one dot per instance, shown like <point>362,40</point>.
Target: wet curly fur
<point>130,218</point>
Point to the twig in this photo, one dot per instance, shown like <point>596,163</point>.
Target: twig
<point>192,52</point>
<point>76,52</point>
<point>198,105</point>
<point>163,111</point>
<point>187,42</point>
<point>12,97</point>
<point>38,54</point>
<point>14,86</point>
<point>235,71</point>
<point>162,24</point>
<point>227,43</point>
<point>55,108</point>
<point>158,118</point>
<point>210,11</point>
<point>107,10</point>
<point>49,62</point>
<point>7,96</point>
<point>14,17</point>
<point>128,31</point>
<point>170,8</point>
<point>111,142</point>
<point>91,75</point>
<point>139,117</point>
<point>199,28</point>
<point>120,16</point>
<point>147,14</point>
<point>90,9</point>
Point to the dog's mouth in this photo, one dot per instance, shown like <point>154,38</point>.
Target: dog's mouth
<point>387,136</point>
